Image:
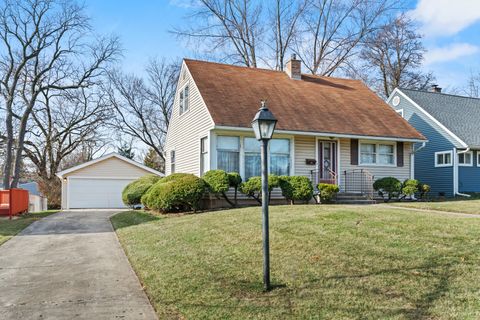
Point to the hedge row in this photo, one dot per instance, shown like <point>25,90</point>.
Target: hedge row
<point>183,192</point>
<point>391,188</point>
<point>133,192</point>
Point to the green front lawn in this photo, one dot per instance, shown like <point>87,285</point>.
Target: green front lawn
<point>464,206</point>
<point>328,262</point>
<point>9,228</point>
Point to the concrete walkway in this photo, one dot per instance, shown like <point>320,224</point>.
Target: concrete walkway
<point>445,213</point>
<point>69,266</point>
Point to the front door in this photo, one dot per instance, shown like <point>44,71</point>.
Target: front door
<point>327,164</point>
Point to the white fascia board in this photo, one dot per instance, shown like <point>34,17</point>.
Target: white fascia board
<point>324,134</point>
<point>108,156</point>
<point>438,123</point>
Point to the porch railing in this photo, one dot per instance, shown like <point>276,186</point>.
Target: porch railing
<point>323,176</point>
<point>357,181</point>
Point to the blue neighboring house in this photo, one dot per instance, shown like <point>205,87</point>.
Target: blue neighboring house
<point>450,161</point>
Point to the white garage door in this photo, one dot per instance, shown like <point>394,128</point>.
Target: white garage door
<point>96,193</point>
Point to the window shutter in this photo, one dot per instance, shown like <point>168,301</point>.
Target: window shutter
<point>399,154</point>
<point>354,152</point>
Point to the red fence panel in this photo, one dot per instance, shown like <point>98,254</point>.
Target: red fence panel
<point>13,201</point>
<point>18,201</point>
<point>4,202</point>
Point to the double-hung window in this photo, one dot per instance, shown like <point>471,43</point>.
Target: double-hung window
<point>228,153</point>
<point>368,153</point>
<point>443,159</point>
<point>203,155</point>
<point>280,157</point>
<point>386,154</point>
<point>478,158</point>
<point>253,165</point>
<point>184,97</point>
<point>465,159</point>
<point>382,154</point>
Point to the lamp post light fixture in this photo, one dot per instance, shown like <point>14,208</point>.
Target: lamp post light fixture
<point>263,125</point>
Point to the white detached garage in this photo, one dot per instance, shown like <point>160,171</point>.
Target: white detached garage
<point>99,183</point>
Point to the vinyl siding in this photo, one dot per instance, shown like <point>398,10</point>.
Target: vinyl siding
<point>439,178</point>
<point>186,130</point>
<point>378,172</point>
<point>469,177</point>
<point>111,167</point>
<point>304,149</point>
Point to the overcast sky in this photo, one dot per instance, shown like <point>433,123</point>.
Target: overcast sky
<point>451,29</point>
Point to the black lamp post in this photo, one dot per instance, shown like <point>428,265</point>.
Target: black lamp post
<point>263,125</point>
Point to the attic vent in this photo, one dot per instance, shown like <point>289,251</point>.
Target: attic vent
<point>396,101</point>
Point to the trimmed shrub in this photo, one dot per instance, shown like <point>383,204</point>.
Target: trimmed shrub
<point>388,188</point>
<point>235,181</point>
<point>218,183</point>
<point>133,192</point>
<point>253,186</point>
<point>409,188</point>
<point>296,188</point>
<point>181,193</point>
<point>423,189</point>
<point>175,176</point>
<point>327,192</point>
<point>286,187</point>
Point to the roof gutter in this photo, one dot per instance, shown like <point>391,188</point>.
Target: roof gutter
<point>326,134</point>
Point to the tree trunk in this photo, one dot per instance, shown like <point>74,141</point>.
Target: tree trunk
<point>8,155</point>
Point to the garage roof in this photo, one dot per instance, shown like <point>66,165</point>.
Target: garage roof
<point>105,157</point>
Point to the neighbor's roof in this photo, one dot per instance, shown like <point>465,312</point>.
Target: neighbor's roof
<point>105,157</point>
<point>461,115</point>
<point>314,104</point>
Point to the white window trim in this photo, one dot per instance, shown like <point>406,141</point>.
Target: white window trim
<point>242,136</point>
<point>465,164</point>
<point>377,143</point>
<point>478,158</point>
<point>181,110</point>
<point>400,112</point>
<point>437,165</point>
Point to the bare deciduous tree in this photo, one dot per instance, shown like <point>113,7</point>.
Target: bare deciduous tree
<point>286,16</point>
<point>396,51</point>
<point>473,86</point>
<point>334,31</point>
<point>143,109</point>
<point>230,26</point>
<point>43,46</point>
<point>61,125</point>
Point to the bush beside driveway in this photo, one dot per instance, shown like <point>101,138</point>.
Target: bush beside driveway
<point>327,262</point>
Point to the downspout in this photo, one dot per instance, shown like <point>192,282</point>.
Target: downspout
<point>412,162</point>
<point>456,175</point>
<point>412,158</point>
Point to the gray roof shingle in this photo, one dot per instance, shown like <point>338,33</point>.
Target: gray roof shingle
<point>461,115</point>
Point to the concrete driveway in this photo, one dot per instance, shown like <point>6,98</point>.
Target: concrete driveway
<point>69,266</point>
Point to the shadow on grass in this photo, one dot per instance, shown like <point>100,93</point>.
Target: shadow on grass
<point>132,218</point>
<point>439,275</point>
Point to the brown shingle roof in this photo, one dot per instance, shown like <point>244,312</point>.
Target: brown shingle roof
<point>316,104</point>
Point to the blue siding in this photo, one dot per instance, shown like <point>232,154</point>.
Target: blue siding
<point>469,177</point>
<point>440,179</point>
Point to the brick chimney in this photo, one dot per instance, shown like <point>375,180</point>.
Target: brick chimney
<point>435,88</point>
<point>294,68</point>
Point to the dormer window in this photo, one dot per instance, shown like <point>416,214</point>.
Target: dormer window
<point>184,93</point>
